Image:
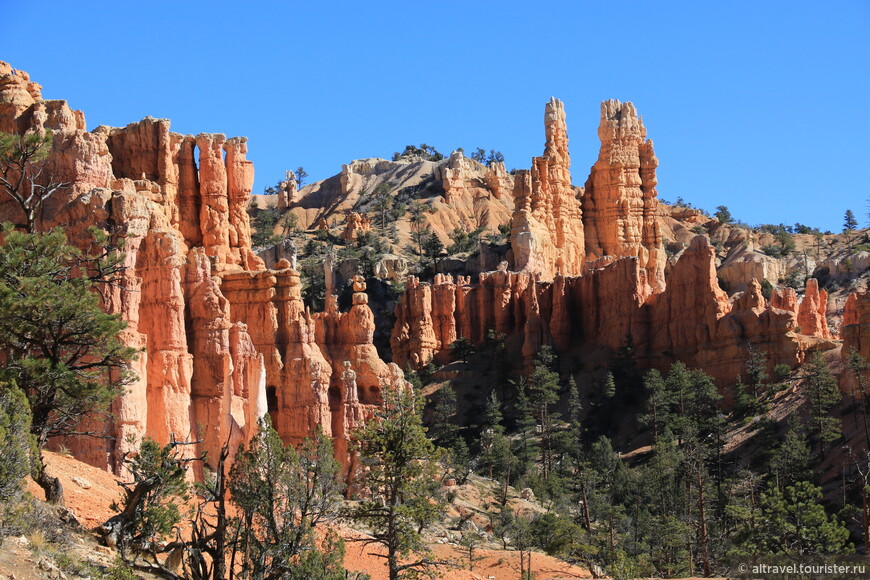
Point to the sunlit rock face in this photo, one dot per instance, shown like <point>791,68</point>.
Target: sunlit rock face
<point>222,339</point>
<point>546,227</point>
<point>620,200</point>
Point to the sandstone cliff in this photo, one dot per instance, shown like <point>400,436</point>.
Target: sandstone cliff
<point>223,340</point>
<point>856,325</point>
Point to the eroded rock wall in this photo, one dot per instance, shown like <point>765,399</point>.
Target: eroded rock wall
<point>692,320</point>
<point>223,340</point>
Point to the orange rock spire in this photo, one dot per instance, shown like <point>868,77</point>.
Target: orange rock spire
<point>620,200</point>
<point>546,227</point>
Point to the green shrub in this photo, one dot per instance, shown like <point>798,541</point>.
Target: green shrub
<point>15,441</point>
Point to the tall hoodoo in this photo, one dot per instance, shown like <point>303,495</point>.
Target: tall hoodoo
<point>620,201</point>
<point>547,229</point>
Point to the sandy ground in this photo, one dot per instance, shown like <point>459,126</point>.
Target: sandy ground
<point>90,491</point>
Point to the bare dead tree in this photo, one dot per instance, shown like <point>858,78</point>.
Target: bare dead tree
<point>22,173</point>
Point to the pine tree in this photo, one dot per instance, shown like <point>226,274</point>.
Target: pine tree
<point>283,495</point>
<point>22,174</point>
<point>398,469</point>
<point>573,440</point>
<point>756,371</point>
<point>793,521</point>
<point>849,222</point>
<point>443,430</point>
<point>496,452</point>
<point>151,507</point>
<point>822,395</point>
<point>858,366</point>
<point>658,403</point>
<point>609,387</point>
<point>15,441</point>
<point>791,460</point>
<point>492,416</point>
<point>61,349</point>
<point>543,393</point>
<point>525,421</point>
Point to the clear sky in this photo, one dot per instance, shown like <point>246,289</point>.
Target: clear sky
<point>761,106</point>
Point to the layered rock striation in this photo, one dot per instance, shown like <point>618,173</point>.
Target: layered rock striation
<point>620,200</point>
<point>546,227</point>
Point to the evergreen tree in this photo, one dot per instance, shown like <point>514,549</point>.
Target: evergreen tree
<point>382,201</point>
<point>15,441</point>
<point>626,375</point>
<point>151,507</point>
<point>723,214</point>
<point>301,175</point>
<point>658,403</point>
<point>822,395</point>
<point>61,349</point>
<point>398,469</point>
<point>849,222</point>
<point>443,407</point>
<point>525,421</point>
<point>492,416</point>
<point>858,366</point>
<point>609,390</point>
<point>570,441</point>
<point>282,496</point>
<point>686,403</point>
<point>461,349</point>
<point>791,460</point>
<point>417,219</point>
<point>756,371</point>
<point>543,393</point>
<point>793,522</point>
<point>496,452</point>
<point>432,247</point>
<point>22,174</point>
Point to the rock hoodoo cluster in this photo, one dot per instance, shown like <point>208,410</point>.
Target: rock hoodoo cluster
<point>223,340</point>
<point>546,229</point>
<point>693,320</point>
<point>596,278</point>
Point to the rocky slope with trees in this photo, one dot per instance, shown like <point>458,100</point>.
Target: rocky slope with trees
<point>677,390</point>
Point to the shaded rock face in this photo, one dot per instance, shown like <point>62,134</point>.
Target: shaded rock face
<point>692,320</point>
<point>620,200</point>
<point>223,340</point>
<point>856,325</point>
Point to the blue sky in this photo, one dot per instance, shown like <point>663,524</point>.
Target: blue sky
<point>760,106</point>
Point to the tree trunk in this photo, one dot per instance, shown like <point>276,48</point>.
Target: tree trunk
<point>702,520</point>
<point>587,524</point>
<point>865,512</point>
<point>219,570</point>
<point>51,485</point>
